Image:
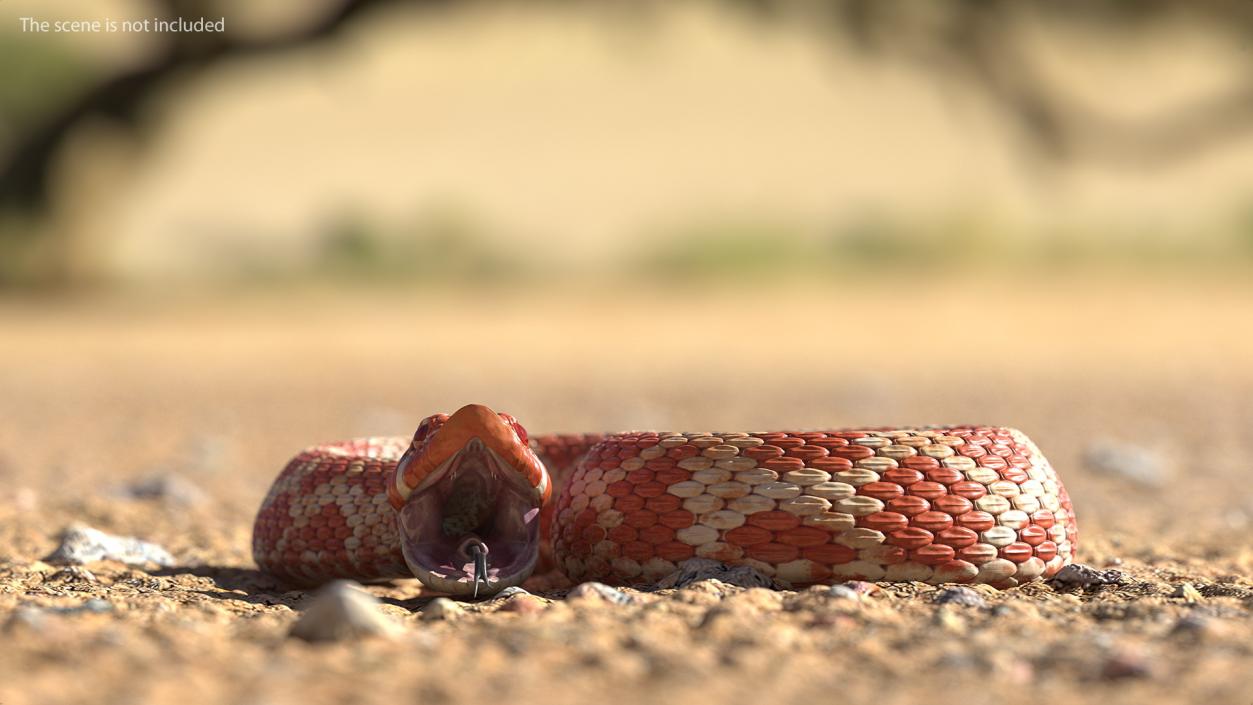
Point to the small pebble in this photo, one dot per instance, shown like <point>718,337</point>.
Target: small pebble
<point>94,605</point>
<point>172,489</point>
<point>1126,461</point>
<point>510,592</point>
<point>343,610</point>
<point>863,588</point>
<point>26,620</point>
<point>962,596</point>
<point>1238,518</point>
<point>1193,625</point>
<point>97,606</point>
<point>948,620</point>
<point>73,574</point>
<point>82,544</point>
<point>524,604</point>
<point>851,590</point>
<point>843,592</point>
<point>1077,574</point>
<point>442,608</point>
<point>1125,664</point>
<point>1189,593</point>
<point>600,591</point>
<point>702,592</point>
<point>957,660</point>
<point>708,586</point>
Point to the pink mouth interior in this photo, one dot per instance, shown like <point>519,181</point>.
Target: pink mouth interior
<point>510,532</point>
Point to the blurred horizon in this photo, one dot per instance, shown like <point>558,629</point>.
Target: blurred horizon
<point>499,144</point>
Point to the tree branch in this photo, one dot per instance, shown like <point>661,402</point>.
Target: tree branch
<point>25,174</point>
<point>975,39</point>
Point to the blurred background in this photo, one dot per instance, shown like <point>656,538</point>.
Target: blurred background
<point>491,143</point>
<point>337,217</point>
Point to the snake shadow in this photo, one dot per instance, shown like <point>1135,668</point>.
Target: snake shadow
<point>250,585</point>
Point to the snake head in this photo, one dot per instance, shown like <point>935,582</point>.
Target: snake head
<point>469,484</point>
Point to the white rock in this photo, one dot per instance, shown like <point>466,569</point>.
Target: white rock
<point>82,544</point>
<point>442,608</point>
<point>1126,461</point>
<point>343,610</point>
<point>600,591</point>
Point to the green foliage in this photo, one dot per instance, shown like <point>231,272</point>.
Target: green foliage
<point>32,257</point>
<point>40,73</point>
<point>738,250</point>
<point>874,245</point>
<point>1242,233</point>
<point>729,249</point>
<point>442,245</point>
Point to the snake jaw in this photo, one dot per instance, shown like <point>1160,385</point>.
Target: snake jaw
<point>470,481</point>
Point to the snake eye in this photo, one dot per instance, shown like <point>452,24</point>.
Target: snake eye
<point>425,428</point>
<point>517,427</point>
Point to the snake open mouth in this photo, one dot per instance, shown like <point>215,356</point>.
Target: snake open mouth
<point>472,527</point>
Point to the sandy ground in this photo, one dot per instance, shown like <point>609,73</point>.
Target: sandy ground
<point>218,393</point>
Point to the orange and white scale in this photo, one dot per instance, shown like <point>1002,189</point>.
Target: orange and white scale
<point>939,504</point>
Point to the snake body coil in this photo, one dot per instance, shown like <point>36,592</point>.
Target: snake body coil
<point>954,504</point>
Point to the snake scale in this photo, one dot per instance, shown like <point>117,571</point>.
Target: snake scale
<point>471,505</point>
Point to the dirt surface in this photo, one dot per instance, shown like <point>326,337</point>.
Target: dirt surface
<point>212,398</point>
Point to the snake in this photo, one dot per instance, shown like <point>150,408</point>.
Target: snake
<point>471,505</point>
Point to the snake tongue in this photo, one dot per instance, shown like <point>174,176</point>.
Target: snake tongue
<point>480,567</point>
